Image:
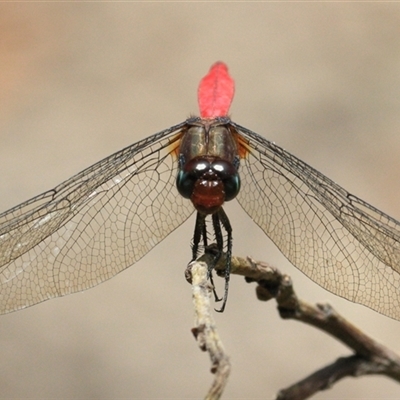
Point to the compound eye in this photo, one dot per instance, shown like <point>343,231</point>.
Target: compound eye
<point>188,176</point>
<point>185,183</point>
<point>231,186</point>
<point>224,169</point>
<point>229,177</point>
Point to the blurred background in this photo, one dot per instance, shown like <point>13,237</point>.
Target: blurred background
<point>79,81</point>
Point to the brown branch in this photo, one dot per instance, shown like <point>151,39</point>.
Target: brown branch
<point>323,378</point>
<point>370,357</point>
<point>205,330</point>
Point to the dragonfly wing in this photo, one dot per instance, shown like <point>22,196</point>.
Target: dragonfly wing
<point>342,243</point>
<point>92,226</point>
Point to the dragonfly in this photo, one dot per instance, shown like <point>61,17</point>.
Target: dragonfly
<point>107,217</point>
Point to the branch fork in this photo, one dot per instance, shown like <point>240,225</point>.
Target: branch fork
<point>369,356</point>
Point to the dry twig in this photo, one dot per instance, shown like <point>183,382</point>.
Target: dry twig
<point>205,330</point>
<point>370,357</point>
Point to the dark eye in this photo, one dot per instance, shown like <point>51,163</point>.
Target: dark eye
<point>229,176</point>
<point>185,183</point>
<point>188,176</point>
<point>232,186</point>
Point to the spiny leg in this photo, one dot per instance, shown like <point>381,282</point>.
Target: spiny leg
<point>200,231</point>
<point>223,218</point>
<point>217,250</point>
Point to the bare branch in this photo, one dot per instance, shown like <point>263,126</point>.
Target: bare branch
<point>323,378</point>
<point>370,357</point>
<point>205,330</point>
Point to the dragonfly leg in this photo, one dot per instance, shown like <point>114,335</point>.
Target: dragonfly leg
<point>200,231</point>
<point>223,218</point>
<point>216,254</point>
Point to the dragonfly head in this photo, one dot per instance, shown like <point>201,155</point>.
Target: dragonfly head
<point>208,182</point>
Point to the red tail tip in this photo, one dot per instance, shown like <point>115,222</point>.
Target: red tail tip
<point>215,92</point>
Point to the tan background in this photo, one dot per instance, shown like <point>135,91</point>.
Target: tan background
<point>80,81</point>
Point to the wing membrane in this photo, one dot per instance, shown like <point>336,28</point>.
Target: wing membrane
<point>341,242</point>
<point>92,226</point>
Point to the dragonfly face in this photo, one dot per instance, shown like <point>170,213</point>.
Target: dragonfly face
<point>208,165</point>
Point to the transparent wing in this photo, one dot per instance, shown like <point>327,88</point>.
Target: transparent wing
<point>92,226</point>
<point>342,243</point>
